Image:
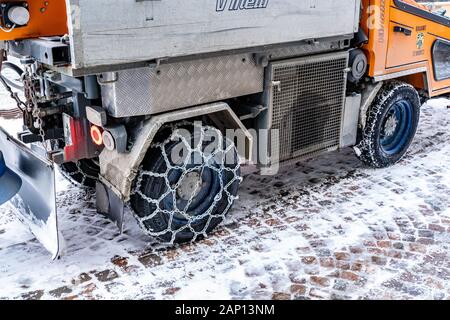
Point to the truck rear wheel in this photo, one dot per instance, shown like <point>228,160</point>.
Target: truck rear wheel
<point>392,122</point>
<point>187,183</point>
<point>82,173</point>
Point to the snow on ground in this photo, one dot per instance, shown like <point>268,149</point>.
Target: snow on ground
<point>324,228</point>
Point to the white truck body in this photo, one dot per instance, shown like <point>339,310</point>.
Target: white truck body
<point>111,32</point>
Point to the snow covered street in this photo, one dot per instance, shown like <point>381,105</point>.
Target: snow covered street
<point>326,228</point>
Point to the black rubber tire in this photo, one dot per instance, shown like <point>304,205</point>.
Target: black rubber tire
<point>154,188</point>
<point>369,149</point>
<point>82,173</point>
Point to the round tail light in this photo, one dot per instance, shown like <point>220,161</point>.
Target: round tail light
<point>96,135</point>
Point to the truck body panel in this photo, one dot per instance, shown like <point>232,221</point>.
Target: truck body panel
<point>145,91</point>
<point>108,32</point>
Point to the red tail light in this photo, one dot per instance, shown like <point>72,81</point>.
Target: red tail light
<point>96,135</point>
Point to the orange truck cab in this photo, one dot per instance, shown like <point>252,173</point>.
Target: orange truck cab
<point>408,41</point>
<point>45,18</point>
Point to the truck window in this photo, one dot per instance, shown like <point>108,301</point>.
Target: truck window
<point>438,11</point>
<point>437,7</point>
<point>441,60</point>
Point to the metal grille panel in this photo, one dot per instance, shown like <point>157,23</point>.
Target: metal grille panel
<point>307,102</point>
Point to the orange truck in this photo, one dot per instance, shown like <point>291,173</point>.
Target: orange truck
<point>409,43</point>
<point>164,105</point>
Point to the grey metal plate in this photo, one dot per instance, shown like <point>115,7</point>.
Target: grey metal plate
<point>178,85</point>
<point>349,132</point>
<point>109,32</point>
<point>35,203</point>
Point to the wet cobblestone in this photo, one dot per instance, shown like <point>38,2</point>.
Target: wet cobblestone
<point>327,228</point>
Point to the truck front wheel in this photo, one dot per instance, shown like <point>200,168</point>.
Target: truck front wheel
<point>392,122</point>
<point>187,183</point>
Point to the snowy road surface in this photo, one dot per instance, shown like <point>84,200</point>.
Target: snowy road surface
<point>325,228</point>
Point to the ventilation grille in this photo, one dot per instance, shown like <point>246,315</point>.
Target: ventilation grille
<point>308,101</point>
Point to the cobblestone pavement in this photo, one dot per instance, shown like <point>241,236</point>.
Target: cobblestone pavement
<point>327,228</point>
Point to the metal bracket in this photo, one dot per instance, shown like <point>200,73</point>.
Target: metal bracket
<point>29,137</point>
<point>50,51</point>
<point>157,63</point>
<point>254,112</point>
<point>277,85</point>
<point>115,78</point>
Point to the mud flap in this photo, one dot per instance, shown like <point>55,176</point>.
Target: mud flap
<point>110,205</point>
<point>35,203</point>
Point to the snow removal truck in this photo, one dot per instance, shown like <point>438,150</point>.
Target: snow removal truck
<point>163,105</point>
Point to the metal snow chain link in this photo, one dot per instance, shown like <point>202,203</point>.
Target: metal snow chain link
<point>37,114</point>
<point>35,107</point>
<point>80,171</point>
<point>207,162</point>
<point>85,175</point>
<point>33,104</point>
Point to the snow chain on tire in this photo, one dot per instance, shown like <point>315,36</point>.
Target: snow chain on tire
<point>218,166</point>
<point>77,175</point>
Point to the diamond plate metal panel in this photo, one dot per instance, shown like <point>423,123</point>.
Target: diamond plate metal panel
<point>307,104</point>
<point>178,85</point>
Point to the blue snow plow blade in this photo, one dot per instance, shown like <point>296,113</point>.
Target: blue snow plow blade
<point>10,182</point>
<point>34,199</point>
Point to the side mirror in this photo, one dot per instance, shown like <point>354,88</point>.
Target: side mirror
<point>441,12</point>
